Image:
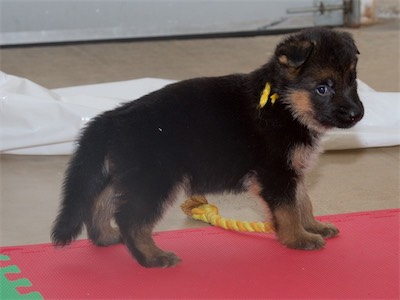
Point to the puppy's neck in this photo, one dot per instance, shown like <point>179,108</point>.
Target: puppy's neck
<point>275,113</point>
<point>272,99</point>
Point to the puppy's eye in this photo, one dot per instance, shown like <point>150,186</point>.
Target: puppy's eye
<point>323,90</point>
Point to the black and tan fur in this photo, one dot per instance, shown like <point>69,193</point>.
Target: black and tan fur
<point>211,135</point>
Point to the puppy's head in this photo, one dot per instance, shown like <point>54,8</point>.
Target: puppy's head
<point>318,67</point>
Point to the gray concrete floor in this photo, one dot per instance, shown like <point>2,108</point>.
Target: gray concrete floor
<point>343,181</point>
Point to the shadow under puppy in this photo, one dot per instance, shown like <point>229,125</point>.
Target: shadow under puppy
<point>257,132</point>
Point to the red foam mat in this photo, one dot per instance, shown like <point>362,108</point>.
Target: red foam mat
<point>363,262</point>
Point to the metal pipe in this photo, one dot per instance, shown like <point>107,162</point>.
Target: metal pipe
<point>322,8</point>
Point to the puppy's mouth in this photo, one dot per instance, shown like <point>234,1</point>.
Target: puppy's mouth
<point>346,125</point>
<point>344,119</point>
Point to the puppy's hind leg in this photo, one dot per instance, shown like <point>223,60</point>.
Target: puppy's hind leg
<point>136,218</point>
<point>141,244</point>
<point>98,225</point>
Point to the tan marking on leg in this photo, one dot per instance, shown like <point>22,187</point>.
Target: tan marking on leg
<point>305,206</point>
<point>252,185</point>
<point>308,220</point>
<point>145,243</point>
<point>99,227</point>
<point>152,255</point>
<point>290,231</point>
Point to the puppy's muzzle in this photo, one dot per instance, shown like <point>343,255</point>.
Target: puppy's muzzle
<point>350,114</point>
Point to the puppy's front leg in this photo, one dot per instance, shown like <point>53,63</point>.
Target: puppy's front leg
<point>308,220</point>
<point>289,212</point>
<point>290,230</point>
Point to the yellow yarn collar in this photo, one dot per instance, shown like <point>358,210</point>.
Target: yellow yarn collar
<point>266,96</point>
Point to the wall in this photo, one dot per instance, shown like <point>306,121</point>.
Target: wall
<point>41,21</point>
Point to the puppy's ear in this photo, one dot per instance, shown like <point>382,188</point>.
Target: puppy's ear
<point>294,52</point>
<point>355,48</point>
<point>350,41</point>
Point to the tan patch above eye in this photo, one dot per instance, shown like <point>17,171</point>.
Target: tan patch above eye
<point>325,74</point>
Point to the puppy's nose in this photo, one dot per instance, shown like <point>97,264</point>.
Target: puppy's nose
<point>351,115</point>
<point>355,115</point>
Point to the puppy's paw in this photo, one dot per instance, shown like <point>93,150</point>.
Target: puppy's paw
<point>163,260</point>
<point>329,230</point>
<point>326,230</point>
<point>305,241</point>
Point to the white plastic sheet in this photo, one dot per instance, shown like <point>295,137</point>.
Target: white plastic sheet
<point>35,120</point>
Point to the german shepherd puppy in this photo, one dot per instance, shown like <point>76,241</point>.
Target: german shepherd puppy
<point>257,132</point>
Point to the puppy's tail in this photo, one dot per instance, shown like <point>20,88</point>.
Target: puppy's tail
<point>85,178</point>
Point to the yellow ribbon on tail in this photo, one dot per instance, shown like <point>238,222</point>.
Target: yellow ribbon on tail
<point>265,96</point>
<point>198,208</point>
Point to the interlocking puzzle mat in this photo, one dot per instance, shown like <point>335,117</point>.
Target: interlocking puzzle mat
<point>363,262</point>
